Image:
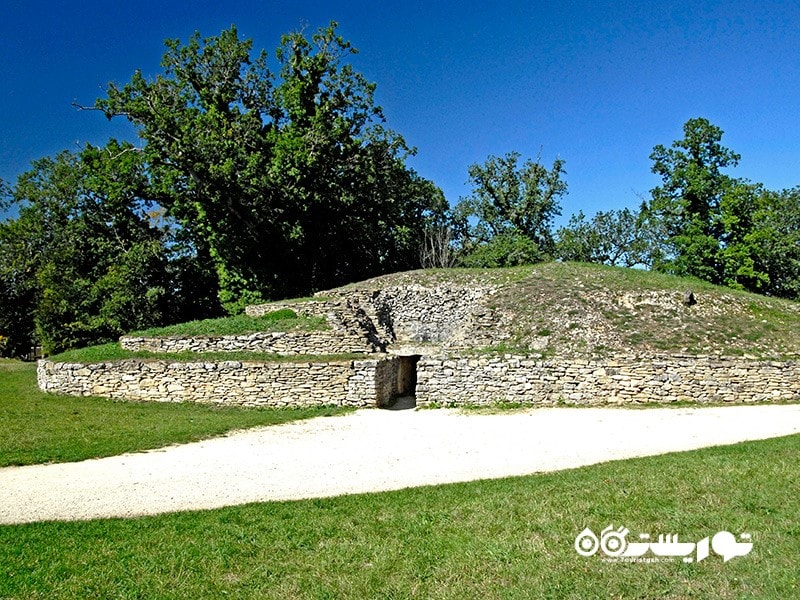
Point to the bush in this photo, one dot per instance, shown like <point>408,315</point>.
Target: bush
<point>504,250</point>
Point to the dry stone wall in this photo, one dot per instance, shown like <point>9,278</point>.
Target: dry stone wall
<point>621,380</point>
<point>440,380</point>
<point>345,316</point>
<point>278,384</point>
<point>375,379</point>
<point>446,314</point>
<point>450,315</point>
<point>282,343</point>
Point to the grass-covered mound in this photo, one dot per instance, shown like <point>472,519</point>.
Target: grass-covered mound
<point>571,309</point>
<point>556,309</point>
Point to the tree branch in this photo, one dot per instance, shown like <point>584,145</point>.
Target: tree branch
<point>75,104</point>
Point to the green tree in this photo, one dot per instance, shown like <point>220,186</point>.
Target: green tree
<point>513,206</point>
<point>89,263</point>
<point>774,240</point>
<point>724,230</point>
<point>616,238</point>
<point>18,290</point>
<point>687,205</point>
<point>290,181</point>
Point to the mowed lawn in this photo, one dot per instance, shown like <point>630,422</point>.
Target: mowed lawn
<point>37,428</point>
<point>510,538</point>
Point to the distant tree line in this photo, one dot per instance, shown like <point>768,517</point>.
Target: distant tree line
<point>699,222</point>
<point>251,185</point>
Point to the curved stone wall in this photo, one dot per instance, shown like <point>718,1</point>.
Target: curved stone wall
<point>345,383</point>
<point>280,343</point>
<point>447,314</point>
<point>620,380</point>
<point>439,380</point>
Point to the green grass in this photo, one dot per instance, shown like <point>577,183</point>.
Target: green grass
<point>279,320</point>
<point>114,352</point>
<point>582,307</point>
<point>432,277</point>
<point>36,427</point>
<point>509,538</point>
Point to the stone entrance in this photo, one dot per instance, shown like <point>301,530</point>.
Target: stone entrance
<point>407,375</point>
<point>404,387</point>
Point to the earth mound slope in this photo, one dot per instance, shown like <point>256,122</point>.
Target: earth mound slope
<point>570,309</point>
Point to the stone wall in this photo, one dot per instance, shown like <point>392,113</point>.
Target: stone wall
<point>345,316</point>
<point>279,384</point>
<point>446,314</point>
<point>281,343</point>
<point>621,380</point>
<point>375,381</point>
<point>451,315</point>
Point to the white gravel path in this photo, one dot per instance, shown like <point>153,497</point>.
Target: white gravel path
<point>370,450</point>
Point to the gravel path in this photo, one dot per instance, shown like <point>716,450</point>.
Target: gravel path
<point>370,450</point>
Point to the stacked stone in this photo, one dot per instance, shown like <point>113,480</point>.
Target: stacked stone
<point>621,380</point>
<point>275,384</point>
<point>282,343</point>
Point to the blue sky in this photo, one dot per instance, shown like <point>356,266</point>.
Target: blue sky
<point>596,83</point>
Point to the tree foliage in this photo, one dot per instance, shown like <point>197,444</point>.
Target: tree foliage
<point>289,180</point>
<point>513,207</point>
<point>248,184</point>
<point>616,238</point>
<point>719,228</point>
<point>255,184</point>
<point>85,260</point>
<point>688,204</point>
<point>765,229</point>
<point>699,222</point>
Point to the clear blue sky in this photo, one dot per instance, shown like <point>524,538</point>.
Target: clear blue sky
<point>596,83</point>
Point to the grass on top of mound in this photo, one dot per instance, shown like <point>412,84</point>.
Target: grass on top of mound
<point>114,352</point>
<point>283,319</point>
<point>580,310</point>
<point>585,310</point>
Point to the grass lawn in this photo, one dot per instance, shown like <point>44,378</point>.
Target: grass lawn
<point>510,538</point>
<point>36,427</point>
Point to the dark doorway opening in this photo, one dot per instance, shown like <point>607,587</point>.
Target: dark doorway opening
<point>405,386</point>
<point>407,375</point>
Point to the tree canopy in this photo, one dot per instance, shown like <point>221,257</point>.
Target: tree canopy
<point>289,179</point>
<point>616,238</point>
<point>84,261</point>
<point>507,219</point>
<point>250,183</point>
<point>247,184</point>
<point>699,222</point>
